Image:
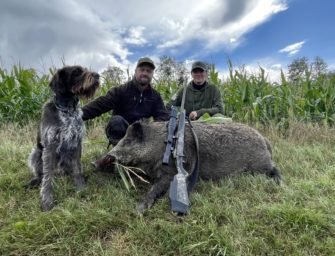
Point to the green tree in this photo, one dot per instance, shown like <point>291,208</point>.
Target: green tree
<point>302,69</point>
<point>298,69</point>
<point>113,76</point>
<point>319,68</point>
<point>170,70</point>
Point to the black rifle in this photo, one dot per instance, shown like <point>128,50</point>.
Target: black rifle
<point>178,188</point>
<point>170,139</point>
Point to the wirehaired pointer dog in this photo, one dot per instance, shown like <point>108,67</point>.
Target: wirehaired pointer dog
<point>60,134</point>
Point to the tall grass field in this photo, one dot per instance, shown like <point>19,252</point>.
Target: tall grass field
<point>244,215</point>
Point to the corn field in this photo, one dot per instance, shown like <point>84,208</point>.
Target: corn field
<point>22,94</point>
<point>253,99</point>
<point>248,98</point>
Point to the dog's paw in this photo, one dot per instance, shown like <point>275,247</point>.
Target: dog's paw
<point>80,182</point>
<point>33,183</point>
<point>47,205</point>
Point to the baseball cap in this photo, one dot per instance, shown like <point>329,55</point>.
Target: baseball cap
<point>145,60</point>
<point>199,64</point>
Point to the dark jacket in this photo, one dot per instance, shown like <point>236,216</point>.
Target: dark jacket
<point>129,102</point>
<point>206,100</point>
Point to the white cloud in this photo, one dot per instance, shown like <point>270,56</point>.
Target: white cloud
<point>108,32</point>
<point>232,40</point>
<point>331,66</point>
<point>216,22</point>
<point>292,49</point>
<point>39,31</point>
<point>135,36</point>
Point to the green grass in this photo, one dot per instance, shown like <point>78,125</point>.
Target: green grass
<point>247,215</point>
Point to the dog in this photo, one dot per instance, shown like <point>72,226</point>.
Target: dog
<point>61,131</point>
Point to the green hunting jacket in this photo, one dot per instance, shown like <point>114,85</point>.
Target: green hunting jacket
<point>206,100</point>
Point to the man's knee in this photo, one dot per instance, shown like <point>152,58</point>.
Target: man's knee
<point>116,129</point>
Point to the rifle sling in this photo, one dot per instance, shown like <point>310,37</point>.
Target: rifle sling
<point>195,173</point>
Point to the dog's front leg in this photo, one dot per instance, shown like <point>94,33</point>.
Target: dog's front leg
<point>78,175</point>
<point>49,165</point>
<point>73,165</point>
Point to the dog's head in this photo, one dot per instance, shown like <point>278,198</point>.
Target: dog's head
<point>75,80</point>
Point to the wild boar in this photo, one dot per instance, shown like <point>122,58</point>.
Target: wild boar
<point>225,150</point>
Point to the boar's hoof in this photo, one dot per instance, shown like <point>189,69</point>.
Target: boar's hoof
<point>275,175</point>
<point>142,206</point>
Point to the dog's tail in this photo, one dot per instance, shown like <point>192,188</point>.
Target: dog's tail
<point>35,164</point>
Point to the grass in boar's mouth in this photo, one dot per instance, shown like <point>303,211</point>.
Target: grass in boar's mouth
<point>128,170</point>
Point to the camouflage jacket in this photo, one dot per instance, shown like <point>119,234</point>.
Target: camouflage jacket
<point>206,100</point>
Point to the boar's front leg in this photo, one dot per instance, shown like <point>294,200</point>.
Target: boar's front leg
<point>158,189</point>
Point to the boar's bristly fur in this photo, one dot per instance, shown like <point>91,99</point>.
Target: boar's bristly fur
<point>225,150</point>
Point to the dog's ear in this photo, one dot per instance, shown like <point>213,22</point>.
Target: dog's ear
<point>54,82</point>
<point>59,81</point>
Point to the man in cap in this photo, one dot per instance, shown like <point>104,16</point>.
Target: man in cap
<point>201,97</point>
<point>129,102</point>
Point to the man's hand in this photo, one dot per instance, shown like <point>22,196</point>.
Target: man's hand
<point>193,115</point>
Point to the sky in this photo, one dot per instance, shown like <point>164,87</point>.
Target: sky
<point>96,34</point>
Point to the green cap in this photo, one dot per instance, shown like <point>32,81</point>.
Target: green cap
<point>145,60</point>
<point>200,65</point>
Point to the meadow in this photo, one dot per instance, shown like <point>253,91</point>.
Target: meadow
<point>245,215</point>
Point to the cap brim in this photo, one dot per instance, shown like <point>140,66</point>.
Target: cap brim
<point>146,64</point>
<point>197,67</point>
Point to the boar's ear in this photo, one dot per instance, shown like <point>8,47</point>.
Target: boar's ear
<point>137,131</point>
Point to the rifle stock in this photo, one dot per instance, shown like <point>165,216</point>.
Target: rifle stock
<point>178,192</point>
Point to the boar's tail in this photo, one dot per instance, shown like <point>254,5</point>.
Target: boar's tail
<point>268,146</point>
<point>275,174</point>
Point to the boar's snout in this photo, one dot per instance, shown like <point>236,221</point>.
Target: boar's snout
<point>105,164</point>
<point>110,159</point>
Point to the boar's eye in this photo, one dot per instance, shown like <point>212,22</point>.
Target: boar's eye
<point>127,141</point>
